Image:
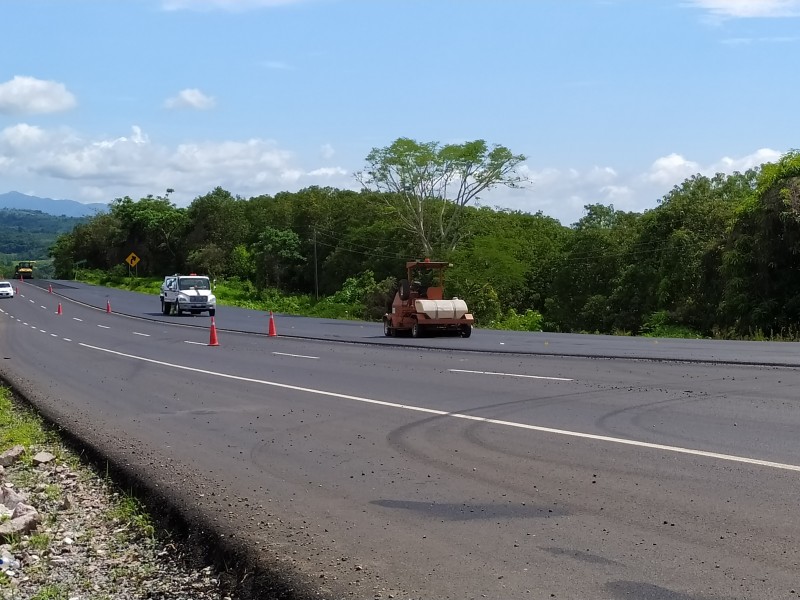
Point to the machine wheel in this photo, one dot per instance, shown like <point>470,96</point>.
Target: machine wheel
<point>416,330</point>
<point>178,310</point>
<point>405,289</point>
<point>387,329</point>
<point>212,312</point>
<point>466,331</point>
<point>165,307</point>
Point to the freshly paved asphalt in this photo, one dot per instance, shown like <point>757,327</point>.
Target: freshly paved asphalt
<point>499,466</point>
<point>555,344</point>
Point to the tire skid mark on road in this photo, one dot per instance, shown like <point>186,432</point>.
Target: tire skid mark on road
<point>443,413</point>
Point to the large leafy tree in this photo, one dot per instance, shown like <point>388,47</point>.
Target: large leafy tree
<point>276,251</point>
<point>217,224</point>
<point>151,227</point>
<point>426,186</point>
<point>761,261</point>
<point>587,271</point>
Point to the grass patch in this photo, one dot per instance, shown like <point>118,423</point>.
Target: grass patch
<point>19,426</point>
<point>128,509</point>
<point>51,592</point>
<point>39,542</point>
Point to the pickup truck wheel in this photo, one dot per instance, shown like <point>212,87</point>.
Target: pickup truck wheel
<point>466,331</point>
<point>416,330</point>
<point>212,312</point>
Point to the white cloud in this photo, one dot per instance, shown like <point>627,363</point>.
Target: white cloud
<point>668,170</point>
<point>328,172</point>
<point>21,135</point>
<point>749,8</point>
<point>63,163</point>
<point>562,193</point>
<point>191,98</point>
<point>758,158</point>
<point>28,95</point>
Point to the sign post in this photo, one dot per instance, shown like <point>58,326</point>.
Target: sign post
<point>132,261</point>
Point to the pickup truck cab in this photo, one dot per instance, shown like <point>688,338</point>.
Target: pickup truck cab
<point>187,293</point>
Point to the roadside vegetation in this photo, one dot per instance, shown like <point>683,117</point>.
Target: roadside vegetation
<point>93,540</point>
<point>719,257</point>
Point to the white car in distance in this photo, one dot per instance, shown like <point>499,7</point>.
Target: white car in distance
<point>6,289</point>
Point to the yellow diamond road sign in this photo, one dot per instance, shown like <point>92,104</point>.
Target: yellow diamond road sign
<point>132,260</point>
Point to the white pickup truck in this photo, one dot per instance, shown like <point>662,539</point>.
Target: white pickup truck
<point>187,293</point>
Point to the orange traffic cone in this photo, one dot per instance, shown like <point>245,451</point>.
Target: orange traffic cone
<point>108,306</point>
<point>58,312</point>
<point>272,331</point>
<point>213,341</point>
<point>50,288</point>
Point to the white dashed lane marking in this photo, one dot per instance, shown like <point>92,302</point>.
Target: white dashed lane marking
<point>295,355</point>
<point>509,375</point>
<point>466,417</point>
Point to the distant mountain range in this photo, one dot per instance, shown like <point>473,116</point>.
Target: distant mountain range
<point>67,208</point>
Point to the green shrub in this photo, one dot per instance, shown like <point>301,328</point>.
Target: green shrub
<point>531,320</point>
<point>659,324</point>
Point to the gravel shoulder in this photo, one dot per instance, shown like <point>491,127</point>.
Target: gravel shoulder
<point>103,531</point>
<point>86,539</point>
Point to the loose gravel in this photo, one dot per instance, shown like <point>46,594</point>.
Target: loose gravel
<point>93,541</point>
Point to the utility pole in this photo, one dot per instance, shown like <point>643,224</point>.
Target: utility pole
<point>316,276</point>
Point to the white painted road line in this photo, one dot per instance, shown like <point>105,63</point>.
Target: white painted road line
<point>66,339</point>
<point>142,334</point>
<point>44,307</point>
<point>77,319</point>
<point>104,326</point>
<point>188,342</point>
<point>54,335</point>
<point>295,355</point>
<point>510,375</point>
<point>443,413</point>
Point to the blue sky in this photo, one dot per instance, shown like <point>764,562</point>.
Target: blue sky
<point>611,101</point>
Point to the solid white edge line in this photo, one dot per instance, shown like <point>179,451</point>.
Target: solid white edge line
<point>443,413</point>
<point>510,375</point>
<point>295,355</point>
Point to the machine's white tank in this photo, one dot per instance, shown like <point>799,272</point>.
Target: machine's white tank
<point>442,309</point>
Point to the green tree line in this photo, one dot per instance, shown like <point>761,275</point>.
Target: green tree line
<point>718,256</point>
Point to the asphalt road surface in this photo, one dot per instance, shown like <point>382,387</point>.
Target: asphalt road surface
<point>499,466</point>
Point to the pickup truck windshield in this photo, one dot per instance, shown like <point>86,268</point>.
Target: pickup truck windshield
<point>201,283</point>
